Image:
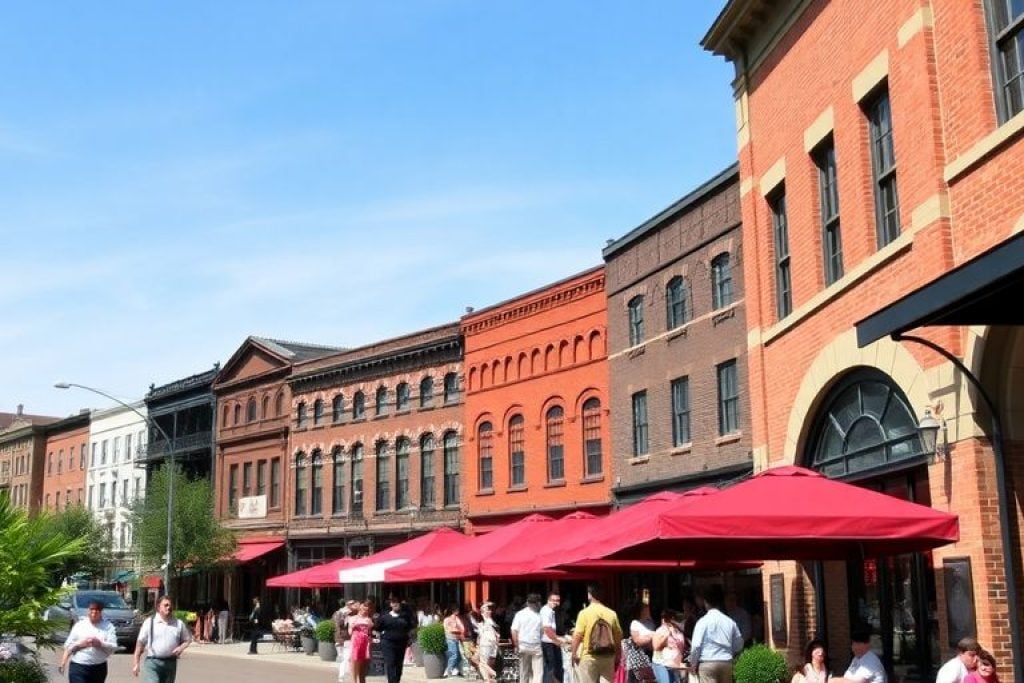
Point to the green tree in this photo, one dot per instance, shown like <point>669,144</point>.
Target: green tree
<point>77,522</point>
<point>198,539</point>
<point>31,554</point>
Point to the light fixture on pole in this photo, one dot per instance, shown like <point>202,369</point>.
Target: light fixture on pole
<point>170,460</point>
<point>928,429</point>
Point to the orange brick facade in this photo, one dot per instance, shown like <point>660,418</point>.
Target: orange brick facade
<point>536,400</point>
<point>64,476</point>
<point>807,76</point>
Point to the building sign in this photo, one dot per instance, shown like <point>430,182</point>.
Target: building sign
<point>252,507</point>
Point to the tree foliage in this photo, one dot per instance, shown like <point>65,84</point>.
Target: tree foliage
<point>198,539</point>
<point>77,522</point>
<point>32,553</point>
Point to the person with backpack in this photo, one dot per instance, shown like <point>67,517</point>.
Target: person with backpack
<point>596,640</point>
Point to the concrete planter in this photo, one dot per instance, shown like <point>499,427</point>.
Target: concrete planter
<point>433,665</point>
<point>328,651</point>
<point>308,645</point>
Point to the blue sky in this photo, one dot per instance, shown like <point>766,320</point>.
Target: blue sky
<point>177,176</point>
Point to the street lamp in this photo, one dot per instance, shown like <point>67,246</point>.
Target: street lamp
<point>170,460</point>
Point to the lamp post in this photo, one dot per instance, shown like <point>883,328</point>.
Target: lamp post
<point>170,461</point>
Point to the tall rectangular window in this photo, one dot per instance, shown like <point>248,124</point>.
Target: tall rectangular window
<point>356,471</point>
<point>592,457</point>
<point>338,478</point>
<point>81,456</point>
<point>451,468</point>
<point>316,471</point>
<point>883,168</point>
<point>680,411</point>
<point>635,308</point>
<point>828,199</point>
<point>780,232</point>
<point>517,451</point>
<point>117,448</point>
<point>427,497</point>
<point>383,477</point>
<point>728,399</point>
<point>246,480</point>
<point>451,388</point>
<point>233,490</point>
<point>261,478</point>
<point>555,428</point>
<point>127,447</point>
<point>275,483</point>
<point>640,445</point>
<point>485,456</point>
<point>401,474</point>
<point>103,452</point>
<point>1006,38</point>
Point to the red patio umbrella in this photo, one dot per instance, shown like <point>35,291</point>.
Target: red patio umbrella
<point>522,558</point>
<point>788,513</point>
<point>467,562</point>
<point>321,576</point>
<point>380,566</point>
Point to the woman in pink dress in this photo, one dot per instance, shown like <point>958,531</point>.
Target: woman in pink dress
<point>359,628</point>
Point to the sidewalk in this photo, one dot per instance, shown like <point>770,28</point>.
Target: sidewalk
<point>268,651</point>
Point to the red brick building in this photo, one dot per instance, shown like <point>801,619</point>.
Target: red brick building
<point>66,452</point>
<point>677,342</point>
<point>536,413</point>
<point>880,154</point>
<point>23,458</point>
<point>374,447</point>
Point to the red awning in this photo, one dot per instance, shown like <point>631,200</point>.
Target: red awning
<point>784,513</point>
<point>248,551</point>
<point>321,576</point>
<point>151,581</point>
<point>379,567</point>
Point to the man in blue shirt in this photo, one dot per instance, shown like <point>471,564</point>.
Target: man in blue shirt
<point>716,640</point>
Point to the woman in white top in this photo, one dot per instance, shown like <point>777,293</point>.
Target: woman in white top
<point>487,642</point>
<point>641,629</point>
<point>668,644</point>
<point>89,644</point>
<point>815,668</point>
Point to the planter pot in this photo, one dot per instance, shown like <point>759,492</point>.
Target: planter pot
<point>328,651</point>
<point>417,654</point>
<point>433,665</point>
<point>308,645</point>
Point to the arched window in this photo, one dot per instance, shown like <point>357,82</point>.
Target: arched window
<point>356,466</point>
<point>636,319</point>
<point>316,503</point>
<point>426,392</point>
<point>338,408</point>
<point>383,476</point>
<point>359,406</point>
<point>675,303</point>
<point>238,413</point>
<point>451,388</point>
<point>337,481</point>
<point>451,468</point>
<point>225,414</point>
<point>554,423</point>
<point>516,451</point>
<point>300,416</point>
<point>300,485</point>
<point>592,461</point>
<point>485,456</point>
<point>279,405</point>
<point>266,407</point>
<point>721,281</point>
<point>866,424</point>
<point>381,401</point>
<point>402,473</point>
<point>402,397</point>
<point>427,480</point>
<point>250,410</point>
<point>318,412</point>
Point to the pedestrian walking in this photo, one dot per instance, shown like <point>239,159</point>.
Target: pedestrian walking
<point>163,638</point>
<point>91,641</point>
<point>393,627</point>
<point>256,621</point>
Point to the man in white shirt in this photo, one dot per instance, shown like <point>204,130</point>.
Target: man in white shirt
<point>549,641</point>
<point>716,640</point>
<point>865,667</point>
<point>966,661</point>
<point>91,641</point>
<point>163,639</point>
<point>526,636</point>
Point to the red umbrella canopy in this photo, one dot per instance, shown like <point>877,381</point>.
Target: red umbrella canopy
<point>789,513</point>
<point>320,576</point>
<point>379,566</point>
<point>522,558</point>
<point>466,561</point>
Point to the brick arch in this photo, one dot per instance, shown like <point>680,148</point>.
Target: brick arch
<point>579,349</point>
<point>485,376</point>
<point>596,345</point>
<point>550,402</point>
<point>509,367</point>
<point>536,359</point>
<point>564,354</point>
<point>523,366</point>
<point>550,358</point>
<point>585,395</point>
<point>833,361</point>
<point>496,368</point>
<point>472,380</point>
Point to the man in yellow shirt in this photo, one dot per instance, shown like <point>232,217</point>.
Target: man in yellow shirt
<point>593,666</point>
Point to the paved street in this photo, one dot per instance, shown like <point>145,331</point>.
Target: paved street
<point>230,664</point>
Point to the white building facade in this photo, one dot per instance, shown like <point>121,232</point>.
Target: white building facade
<point>117,437</point>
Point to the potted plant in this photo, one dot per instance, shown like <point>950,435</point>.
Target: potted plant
<point>324,632</point>
<point>432,644</point>
<point>308,639</point>
<point>760,664</point>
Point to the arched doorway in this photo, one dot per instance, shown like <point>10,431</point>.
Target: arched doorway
<point>866,432</point>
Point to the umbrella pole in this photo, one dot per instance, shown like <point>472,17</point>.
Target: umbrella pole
<point>820,620</point>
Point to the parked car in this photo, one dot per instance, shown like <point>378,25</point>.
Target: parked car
<point>126,621</point>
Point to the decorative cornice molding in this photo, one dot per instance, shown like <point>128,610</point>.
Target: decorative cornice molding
<point>532,305</point>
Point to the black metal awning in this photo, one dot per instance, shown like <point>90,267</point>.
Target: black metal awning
<point>987,290</point>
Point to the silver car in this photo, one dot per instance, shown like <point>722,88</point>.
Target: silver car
<point>75,606</point>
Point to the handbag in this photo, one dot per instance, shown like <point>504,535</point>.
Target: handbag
<point>672,653</point>
<point>637,662</point>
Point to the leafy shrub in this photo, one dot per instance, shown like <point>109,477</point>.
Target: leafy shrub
<point>431,639</point>
<point>324,631</point>
<point>22,671</point>
<point>760,664</point>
